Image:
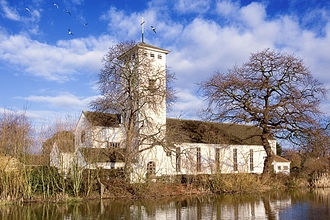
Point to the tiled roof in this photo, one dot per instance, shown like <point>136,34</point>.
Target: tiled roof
<point>64,141</point>
<point>102,119</point>
<point>280,159</point>
<point>191,131</point>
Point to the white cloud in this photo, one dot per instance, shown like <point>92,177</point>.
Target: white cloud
<point>187,105</point>
<point>9,12</point>
<point>192,6</point>
<point>203,46</point>
<point>64,101</point>
<point>227,8</point>
<point>58,62</point>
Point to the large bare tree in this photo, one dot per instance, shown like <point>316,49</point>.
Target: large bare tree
<point>273,90</point>
<point>131,86</point>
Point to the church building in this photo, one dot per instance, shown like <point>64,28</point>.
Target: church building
<point>182,146</point>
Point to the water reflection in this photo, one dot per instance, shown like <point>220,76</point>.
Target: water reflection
<point>285,205</point>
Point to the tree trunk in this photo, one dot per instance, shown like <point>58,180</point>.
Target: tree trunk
<point>268,169</point>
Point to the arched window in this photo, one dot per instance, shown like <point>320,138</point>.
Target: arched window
<point>151,168</point>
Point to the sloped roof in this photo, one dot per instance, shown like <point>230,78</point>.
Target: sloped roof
<point>191,131</point>
<point>64,141</point>
<point>92,155</point>
<point>102,119</point>
<point>280,159</point>
<point>65,146</point>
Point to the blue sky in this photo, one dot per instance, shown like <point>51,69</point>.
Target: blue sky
<point>49,74</point>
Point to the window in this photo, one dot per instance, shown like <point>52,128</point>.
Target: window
<point>159,56</point>
<point>83,136</point>
<point>217,159</point>
<point>151,168</point>
<point>251,160</point>
<point>152,85</point>
<point>168,153</point>
<point>113,144</point>
<point>178,159</point>
<point>235,159</point>
<point>285,167</point>
<point>199,162</point>
<point>279,167</point>
<point>152,55</point>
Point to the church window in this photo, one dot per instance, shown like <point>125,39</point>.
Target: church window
<point>159,56</point>
<point>113,144</point>
<point>279,167</point>
<point>217,159</point>
<point>152,85</point>
<point>151,168</point>
<point>285,168</point>
<point>235,160</point>
<point>178,159</point>
<point>168,153</point>
<point>199,162</point>
<point>152,55</point>
<point>251,160</point>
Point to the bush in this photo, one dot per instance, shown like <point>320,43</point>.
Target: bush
<point>46,179</point>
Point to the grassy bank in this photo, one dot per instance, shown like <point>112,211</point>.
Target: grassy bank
<point>47,184</point>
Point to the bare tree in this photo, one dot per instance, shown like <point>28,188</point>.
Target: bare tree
<point>273,91</point>
<point>136,89</point>
<point>15,134</point>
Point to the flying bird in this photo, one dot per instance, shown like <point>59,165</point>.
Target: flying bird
<point>85,24</point>
<point>69,32</point>
<point>66,11</point>
<point>28,10</point>
<point>55,5</point>
<point>153,29</point>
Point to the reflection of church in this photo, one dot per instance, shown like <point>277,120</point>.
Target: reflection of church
<point>219,209</point>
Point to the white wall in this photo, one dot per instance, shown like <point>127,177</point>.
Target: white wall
<point>208,163</point>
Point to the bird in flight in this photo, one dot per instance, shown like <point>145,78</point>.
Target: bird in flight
<point>69,32</point>
<point>85,24</point>
<point>153,29</point>
<point>28,10</point>
<point>55,5</point>
<point>67,11</point>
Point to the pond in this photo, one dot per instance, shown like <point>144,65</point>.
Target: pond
<point>274,205</point>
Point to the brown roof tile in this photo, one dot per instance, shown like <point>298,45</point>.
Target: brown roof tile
<point>102,119</point>
<point>280,159</point>
<point>191,131</point>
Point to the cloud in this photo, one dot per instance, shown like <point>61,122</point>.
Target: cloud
<point>9,12</point>
<point>64,101</point>
<point>187,105</point>
<point>58,62</point>
<point>192,6</point>
<point>201,46</point>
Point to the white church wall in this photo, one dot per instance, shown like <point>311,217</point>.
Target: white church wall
<point>226,158</point>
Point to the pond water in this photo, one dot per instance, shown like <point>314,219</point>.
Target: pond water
<point>274,205</point>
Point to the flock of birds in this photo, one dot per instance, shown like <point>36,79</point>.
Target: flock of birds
<point>66,11</point>
<point>69,13</point>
